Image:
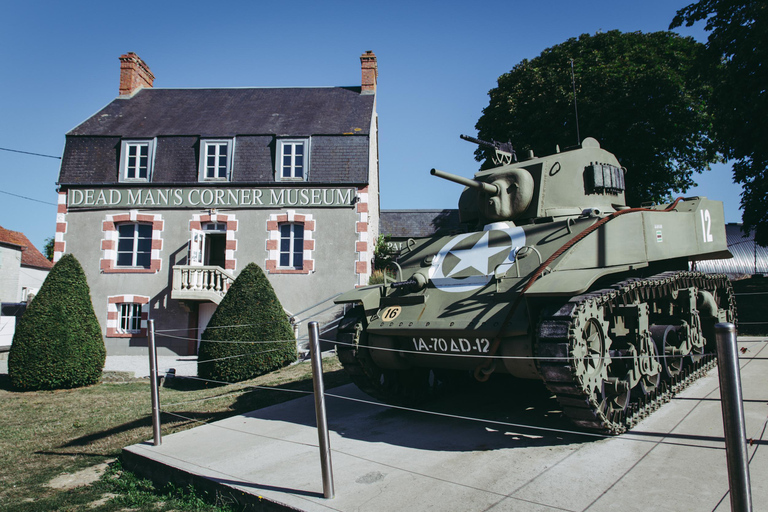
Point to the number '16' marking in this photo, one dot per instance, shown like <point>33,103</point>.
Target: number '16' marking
<point>706,226</point>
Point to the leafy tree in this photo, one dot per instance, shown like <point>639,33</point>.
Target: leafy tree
<point>48,249</point>
<point>383,252</point>
<point>251,317</point>
<point>58,342</point>
<point>739,37</point>
<point>643,96</point>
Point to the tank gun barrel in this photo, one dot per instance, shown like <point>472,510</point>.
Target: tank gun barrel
<point>461,180</point>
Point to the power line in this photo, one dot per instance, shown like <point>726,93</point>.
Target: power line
<point>27,198</point>
<point>28,153</point>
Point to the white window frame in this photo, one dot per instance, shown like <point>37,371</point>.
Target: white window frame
<point>206,145</point>
<point>125,159</point>
<point>282,145</point>
<point>291,251</point>
<point>135,245</point>
<point>129,318</point>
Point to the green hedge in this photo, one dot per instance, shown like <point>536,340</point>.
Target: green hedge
<point>58,342</point>
<point>250,312</point>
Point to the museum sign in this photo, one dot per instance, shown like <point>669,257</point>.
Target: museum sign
<point>210,197</point>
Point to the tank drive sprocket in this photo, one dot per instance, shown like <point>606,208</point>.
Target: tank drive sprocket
<point>406,387</point>
<point>614,355</point>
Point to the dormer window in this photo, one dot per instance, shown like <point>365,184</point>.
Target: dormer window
<point>215,159</point>
<point>136,160</point>
<point>293,159</point>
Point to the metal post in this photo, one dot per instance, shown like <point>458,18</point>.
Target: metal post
<point>733,418</point>
<point>322,420</point>
<point>154,385</point>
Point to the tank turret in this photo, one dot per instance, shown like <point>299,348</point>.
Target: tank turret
<point>553,278</point>
<point>564,183</point>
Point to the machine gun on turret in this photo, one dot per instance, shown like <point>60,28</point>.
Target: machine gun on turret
<point>505,153</point>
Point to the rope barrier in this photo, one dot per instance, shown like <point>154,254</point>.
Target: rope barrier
<point>533,358</point>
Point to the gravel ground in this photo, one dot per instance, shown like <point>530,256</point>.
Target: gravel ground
<point>139,365</point>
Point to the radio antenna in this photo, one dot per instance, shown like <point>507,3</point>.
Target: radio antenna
<point>575,108</point>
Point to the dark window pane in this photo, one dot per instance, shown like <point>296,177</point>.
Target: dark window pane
<point>125,230</point>
<point>298,231</point>
<point>145,230</point>
<point>284,262</point>
<point>298,260</point>
<point>124,259</point>
<point>125,245</point>
<point>142,260</point>
<point>299,149</point>
<point>145,245</point>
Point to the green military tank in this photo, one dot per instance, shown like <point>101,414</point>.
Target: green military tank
<point>553,277</point>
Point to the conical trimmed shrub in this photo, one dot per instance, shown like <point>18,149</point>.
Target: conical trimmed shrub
<point>251,316</point>
<point>58,342</point>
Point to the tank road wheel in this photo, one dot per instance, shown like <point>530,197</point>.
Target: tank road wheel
<point>410,386</point>
<point>612,356</point>
<point>575,361</point>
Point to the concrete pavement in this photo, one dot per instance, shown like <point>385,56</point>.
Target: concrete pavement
<point>391,460</point>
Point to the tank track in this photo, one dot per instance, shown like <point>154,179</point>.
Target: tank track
<point>407,387</point>
<point>584,367</point>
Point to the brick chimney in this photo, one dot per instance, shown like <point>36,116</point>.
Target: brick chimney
<point>134,74</point>
<point>370,72</point>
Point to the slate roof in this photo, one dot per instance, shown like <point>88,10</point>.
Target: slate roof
<point>295,112</point>
<point>30,256</point>
<point>401,224</point>
<point>338,120</point>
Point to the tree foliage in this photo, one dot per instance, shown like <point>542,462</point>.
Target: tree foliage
<point>48,249</point>
<point>58,342</point>
<point>384,252</point>
<point>739,37</point>
<point>643,96</point>
<point>250,316</point>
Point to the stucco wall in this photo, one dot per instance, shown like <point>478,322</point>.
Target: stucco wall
<point>334,266</point>
<point>10,263</point>
<point>30,279</point>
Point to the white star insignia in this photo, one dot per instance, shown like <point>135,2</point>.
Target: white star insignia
<point>478,257</point>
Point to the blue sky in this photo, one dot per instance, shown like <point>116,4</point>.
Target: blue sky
<point>437,62</point>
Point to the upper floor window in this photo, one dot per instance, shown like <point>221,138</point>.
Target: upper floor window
<point>136,160</point>
<point>293,159</point>
<point>134,245</point>
<point>291,246</point>
<point>215,159</point>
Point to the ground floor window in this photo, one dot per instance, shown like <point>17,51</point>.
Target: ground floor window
<point>292,245</point>
<point>129,319</point>
<point>127,316</point>
<point>134,245</point>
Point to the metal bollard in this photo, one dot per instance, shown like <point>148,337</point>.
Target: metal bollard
<point>733,418</point>
<point>154,386</point>
<point>322,420</point>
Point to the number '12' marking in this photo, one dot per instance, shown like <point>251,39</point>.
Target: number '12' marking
<point>706,226</point>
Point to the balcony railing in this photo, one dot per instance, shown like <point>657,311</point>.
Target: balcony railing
<point>204,283</point>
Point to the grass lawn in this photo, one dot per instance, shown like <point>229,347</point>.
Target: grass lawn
<point>48,434</point>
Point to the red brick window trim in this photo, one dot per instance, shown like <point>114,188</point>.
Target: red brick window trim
<point>109,244</point>
<point>276,232</point>
<point>59,246</point>
<point>127,316</point>
<point>231,223</point>
<point>365,242</point>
